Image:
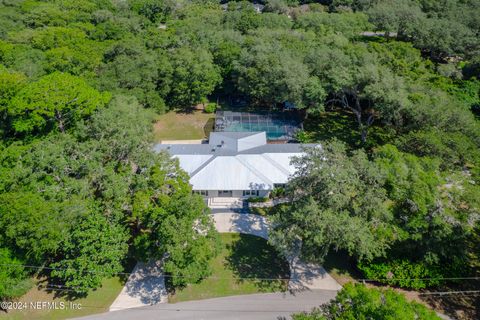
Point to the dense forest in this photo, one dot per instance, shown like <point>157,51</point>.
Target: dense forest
<point>81,82</point>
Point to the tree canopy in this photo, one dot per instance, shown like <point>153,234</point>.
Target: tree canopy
<point>81,83</point>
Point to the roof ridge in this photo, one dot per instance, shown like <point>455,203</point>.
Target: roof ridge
<point>203,165</point>
<point>276,164</point>
<point>254,171</point>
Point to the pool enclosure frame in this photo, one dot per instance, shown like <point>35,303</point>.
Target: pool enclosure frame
<point>281,126</point>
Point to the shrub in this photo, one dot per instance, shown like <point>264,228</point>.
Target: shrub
<point>277,192</point>
<point>356,301</point>
<point>210,107</point>
<point>303,137</point>
<point>257,199</point>
<point>259,211</point>
<point>402,273</point>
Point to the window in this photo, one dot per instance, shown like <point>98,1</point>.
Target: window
<point>201,192</point>
<point>250,193</point>
<point>225,193</point>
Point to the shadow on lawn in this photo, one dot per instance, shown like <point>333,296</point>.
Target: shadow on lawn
<point>341,125</point>
<point>209,127</point>
<point>253,259</point>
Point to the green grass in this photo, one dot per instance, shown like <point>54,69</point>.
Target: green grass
<point>183,126</point>
<point>96,302</point>
<point>241,256</point>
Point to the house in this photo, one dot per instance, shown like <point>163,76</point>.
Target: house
<point>236,164</point>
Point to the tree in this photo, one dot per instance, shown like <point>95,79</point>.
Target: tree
<point>350,25</point>
<point>241,16</point>
<point>276,6</point>
<point>81,59</point>
<point>19,57</point>
<point>438,30</point>
<point>194,77</point>
<point>14,281</point>
<point>92,251</point>
<point>357,82</point>
<point>31,225</point>
<point>455,149</point>
<point>154,10</point>
<point>58,98</point>
<point>137,71</point>
<point>399,17</point>
<point>337,202</point>
<point>432,231</point>
<point>72,193</point>
<point>356,301</point>
<point>10,84</point>
<point>269,74</point>
<point>173,224</point>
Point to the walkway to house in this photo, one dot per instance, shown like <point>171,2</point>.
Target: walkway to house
<point>303,276</point>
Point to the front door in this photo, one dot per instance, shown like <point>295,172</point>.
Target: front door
<point>224,193</point>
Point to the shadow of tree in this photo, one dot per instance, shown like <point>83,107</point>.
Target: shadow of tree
<point>340,124</point>
<point>147,283</point>
<point>209,127</point>
<point>250,224</point>
<point>252,259</point>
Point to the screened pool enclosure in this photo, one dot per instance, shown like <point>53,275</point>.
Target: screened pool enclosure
<point>278,126</point>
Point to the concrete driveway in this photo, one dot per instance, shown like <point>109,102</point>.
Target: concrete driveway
<point>252,307</point>
<point>144,287</point>
<point>229,221</point>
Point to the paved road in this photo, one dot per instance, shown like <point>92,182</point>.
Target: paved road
<point>251,307</point>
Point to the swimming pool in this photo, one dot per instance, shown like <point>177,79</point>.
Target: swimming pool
<point>278,126</point>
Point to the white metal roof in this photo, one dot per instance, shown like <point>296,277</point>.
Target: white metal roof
<point>227,173</point>
<point>236,161</point>
<point>191,162</point>
<point>240,172</point>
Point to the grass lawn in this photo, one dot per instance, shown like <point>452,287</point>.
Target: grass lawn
<point>96,302</point>
<point>183,126</point>
<point>241,256</point>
